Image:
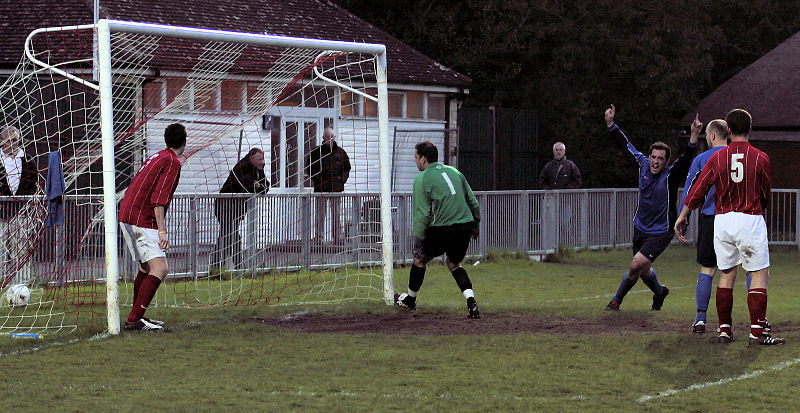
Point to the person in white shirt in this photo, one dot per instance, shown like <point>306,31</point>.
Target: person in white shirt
<point>19,178</point>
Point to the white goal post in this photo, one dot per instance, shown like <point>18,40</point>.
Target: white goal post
<point>353,92</point>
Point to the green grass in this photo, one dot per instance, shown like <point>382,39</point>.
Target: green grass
<point>218,359</point>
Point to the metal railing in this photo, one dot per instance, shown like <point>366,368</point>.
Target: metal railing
<point>279,230</point>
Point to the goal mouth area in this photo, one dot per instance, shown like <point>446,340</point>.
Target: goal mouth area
<point>100,96</point>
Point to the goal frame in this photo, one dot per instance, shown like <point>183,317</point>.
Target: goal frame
<point>105,27</point>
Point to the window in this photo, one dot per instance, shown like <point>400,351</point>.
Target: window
<point>436,107</point>
<point>349,102</point>
<point>396,105</point>
<point>174,88</point>
<point>370,106</point>
<point>256,100</point>
<point>232,95</point>
<point>151,96</point>
<point>291,96</point>
<point>414,102</point>
<point>318,97</point>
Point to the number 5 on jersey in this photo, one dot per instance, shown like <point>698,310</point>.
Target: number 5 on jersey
<point>737,168</point>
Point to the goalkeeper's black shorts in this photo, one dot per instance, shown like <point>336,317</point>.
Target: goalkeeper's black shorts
<point>452,240</point>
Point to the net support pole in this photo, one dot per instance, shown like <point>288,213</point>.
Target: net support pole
<point>385,178</point>
<point>109,184</point>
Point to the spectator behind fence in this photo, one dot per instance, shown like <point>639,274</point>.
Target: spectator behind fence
<point>18,177</point>
<point>247,176</point>
<point>328,166</point>
<point>560,173</point>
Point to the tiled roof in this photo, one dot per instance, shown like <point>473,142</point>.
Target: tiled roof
<point>298,18</point>
<point>769,89</point>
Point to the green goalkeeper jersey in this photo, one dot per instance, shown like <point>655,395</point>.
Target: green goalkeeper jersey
<point>442,197</point>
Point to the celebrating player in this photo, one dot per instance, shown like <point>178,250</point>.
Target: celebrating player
<point>142,218</point>
<point>741,177</point>
<point>445,217</point>
<point>652,233</point>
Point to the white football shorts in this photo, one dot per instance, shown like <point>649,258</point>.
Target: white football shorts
<point>741,239</point>
<point>142,242</point>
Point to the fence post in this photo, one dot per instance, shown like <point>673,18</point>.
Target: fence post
<point>484,225</point>
<point>305,229</point>
<point>797,218</point>
<point>584,219</point>
<point>523,219</point>
<point>402,232</point>
<point>251,232</point>
<point>613,223</point>
<point>193,242</point>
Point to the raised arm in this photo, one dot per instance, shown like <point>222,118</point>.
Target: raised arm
<point>615,130</point>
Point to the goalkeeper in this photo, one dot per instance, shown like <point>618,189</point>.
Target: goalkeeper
<point>445,216</point>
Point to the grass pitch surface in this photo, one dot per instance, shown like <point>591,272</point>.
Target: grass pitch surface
<point>544,344</point>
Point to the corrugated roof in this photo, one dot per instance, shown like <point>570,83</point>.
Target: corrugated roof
<point>298,18</point>
<point>769,89</point>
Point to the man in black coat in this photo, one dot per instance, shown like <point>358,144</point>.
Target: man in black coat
<point>247,176</point>
<point>560,173</point>
<point>328,166</point>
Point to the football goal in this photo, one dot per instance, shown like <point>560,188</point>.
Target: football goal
<point>88,104</point>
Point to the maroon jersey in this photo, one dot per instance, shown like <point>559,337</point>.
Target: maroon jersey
<point>152,186</point>
<point>742,177</point>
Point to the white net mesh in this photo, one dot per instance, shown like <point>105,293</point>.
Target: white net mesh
<point>313,236</point>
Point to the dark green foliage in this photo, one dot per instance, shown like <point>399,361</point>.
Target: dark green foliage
<point>568,60</point>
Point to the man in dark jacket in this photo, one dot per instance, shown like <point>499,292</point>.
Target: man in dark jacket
<point>560,173</point>
<point>328,166</point>
<point>19,177</point>
<point>247,176</point>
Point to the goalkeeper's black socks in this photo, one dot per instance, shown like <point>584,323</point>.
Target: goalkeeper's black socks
<point>462,279</point>
<point>415,278</point>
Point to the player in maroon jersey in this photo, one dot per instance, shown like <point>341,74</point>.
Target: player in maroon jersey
<point>742,178</point>
<point>142,219</point>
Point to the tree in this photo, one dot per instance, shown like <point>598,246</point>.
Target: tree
<point>569,60</point>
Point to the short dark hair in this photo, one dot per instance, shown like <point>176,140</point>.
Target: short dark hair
<point>175,136</point>
<point>660,146</point>
<point>254,151</point>
<point>739,122</point>
<point>428,150</point>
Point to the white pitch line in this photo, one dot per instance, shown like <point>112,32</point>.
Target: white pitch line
<point>698,386</point>
<point>99,336</point>
<point>593,297</point>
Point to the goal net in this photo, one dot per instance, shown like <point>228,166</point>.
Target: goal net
<point>88,104</point>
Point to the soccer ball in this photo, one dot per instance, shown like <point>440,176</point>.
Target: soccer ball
<point>18,295</point>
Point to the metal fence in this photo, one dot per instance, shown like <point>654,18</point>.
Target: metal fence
<point>280,229</point>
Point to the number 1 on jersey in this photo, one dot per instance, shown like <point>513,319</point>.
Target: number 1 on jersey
<point>449,183</point>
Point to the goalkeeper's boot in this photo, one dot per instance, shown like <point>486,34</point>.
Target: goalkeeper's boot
<point>405,301</point>
<point>472,307</point>
<point>765,340</point>
<point>658,299</point>
<point>142,325</point>
<point>153,321</point>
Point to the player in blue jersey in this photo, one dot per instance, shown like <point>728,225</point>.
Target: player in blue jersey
<point>656,214</point>
<point>717,138</point>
